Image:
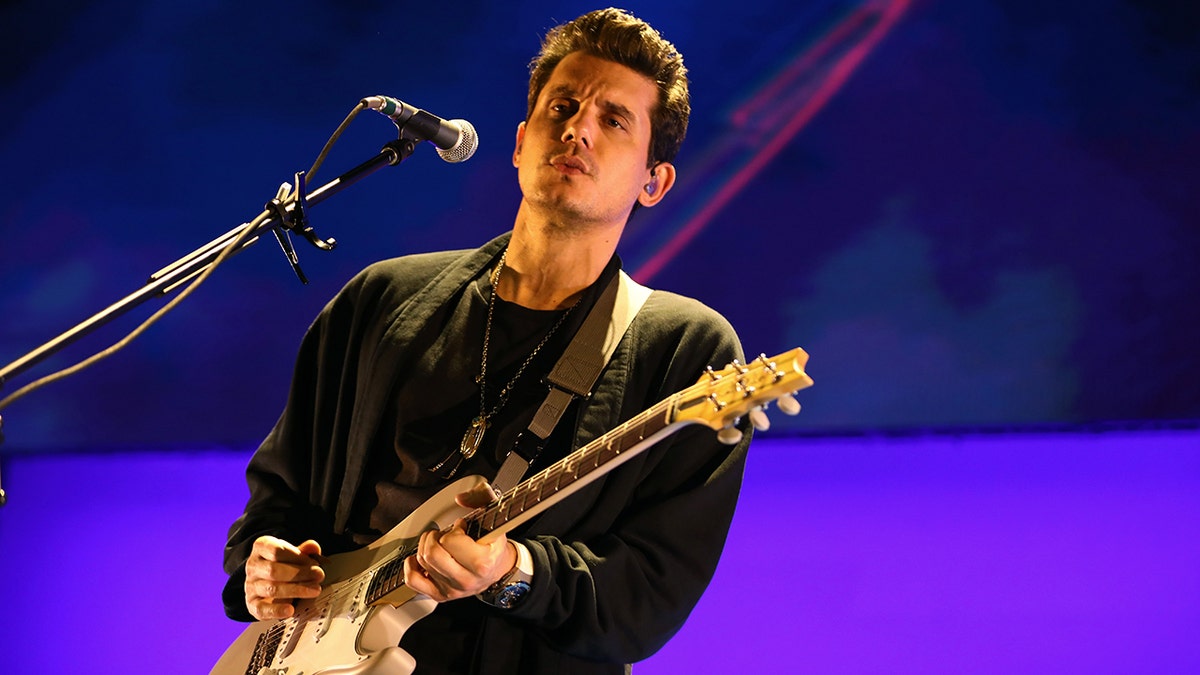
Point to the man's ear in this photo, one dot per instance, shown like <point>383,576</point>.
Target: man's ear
<point>517,147</point>
<point>662,179</point>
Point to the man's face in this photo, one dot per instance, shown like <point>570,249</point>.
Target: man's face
<point>581,155</point>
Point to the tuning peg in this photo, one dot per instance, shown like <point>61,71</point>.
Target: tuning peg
<point>759,419</point>
<point>729,435</point>
<point>788,404</point>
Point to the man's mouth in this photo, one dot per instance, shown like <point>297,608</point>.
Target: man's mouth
<point>569,164</point>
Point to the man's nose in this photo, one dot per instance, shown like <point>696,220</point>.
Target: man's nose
<point>578,130</point>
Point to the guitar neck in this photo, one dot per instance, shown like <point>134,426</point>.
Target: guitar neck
<point>574,471</point>
<point>716,400</point>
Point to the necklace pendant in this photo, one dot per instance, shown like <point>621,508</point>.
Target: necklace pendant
<point>473,437</point>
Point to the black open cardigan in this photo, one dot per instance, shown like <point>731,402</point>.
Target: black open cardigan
<point>618,566</point>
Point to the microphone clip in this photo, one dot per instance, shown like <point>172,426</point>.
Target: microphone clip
<point>295,220</point>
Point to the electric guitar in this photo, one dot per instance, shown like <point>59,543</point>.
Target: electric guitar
<point>354,626</point>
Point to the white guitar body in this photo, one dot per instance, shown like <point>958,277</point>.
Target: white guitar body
<point>338,632</point>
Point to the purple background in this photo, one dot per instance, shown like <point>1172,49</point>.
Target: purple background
<point>1034,553</point>
<point>979,217</point>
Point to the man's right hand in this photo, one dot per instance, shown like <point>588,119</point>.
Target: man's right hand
<point>278,573</point>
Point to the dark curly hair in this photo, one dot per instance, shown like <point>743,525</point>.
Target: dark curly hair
<point>615,35</point>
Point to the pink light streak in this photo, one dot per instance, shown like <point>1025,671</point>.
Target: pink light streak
<point>889,12</point>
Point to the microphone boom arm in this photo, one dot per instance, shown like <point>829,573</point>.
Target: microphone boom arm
<point>195,263</point>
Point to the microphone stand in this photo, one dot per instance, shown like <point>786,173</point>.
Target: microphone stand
<point>277,216</point>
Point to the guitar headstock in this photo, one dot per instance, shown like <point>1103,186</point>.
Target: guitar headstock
<point>720,397</point>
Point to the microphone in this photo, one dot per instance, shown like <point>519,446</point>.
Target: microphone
<point>456,139</point>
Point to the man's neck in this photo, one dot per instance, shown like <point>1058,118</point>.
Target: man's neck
<point>548,266</point>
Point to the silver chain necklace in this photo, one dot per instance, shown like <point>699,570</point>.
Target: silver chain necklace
<point>474,435</point>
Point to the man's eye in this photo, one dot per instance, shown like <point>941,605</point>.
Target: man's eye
<point>615,123</point>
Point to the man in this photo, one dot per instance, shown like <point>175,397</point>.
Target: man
<point>429,366</point>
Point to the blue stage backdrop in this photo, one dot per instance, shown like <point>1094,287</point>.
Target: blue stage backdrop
<point>971,213</point>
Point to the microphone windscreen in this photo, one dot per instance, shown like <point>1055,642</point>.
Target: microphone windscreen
<point>468,141</point>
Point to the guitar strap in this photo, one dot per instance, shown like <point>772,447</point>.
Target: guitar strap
<point>576,371</point>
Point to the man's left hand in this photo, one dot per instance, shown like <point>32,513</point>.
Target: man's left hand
<point>449,564</point>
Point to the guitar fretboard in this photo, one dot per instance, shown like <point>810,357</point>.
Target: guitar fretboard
<point>588,463</point>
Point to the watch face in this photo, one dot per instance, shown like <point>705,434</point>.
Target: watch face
<point>512,594</point>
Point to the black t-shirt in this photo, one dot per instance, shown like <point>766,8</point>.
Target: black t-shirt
<point>433,405</point>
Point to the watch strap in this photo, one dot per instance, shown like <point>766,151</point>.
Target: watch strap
<point>512,587</point>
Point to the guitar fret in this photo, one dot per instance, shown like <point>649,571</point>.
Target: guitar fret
<point>536,489</point>
<point>529,498</point>
<point>519,502</point>
<point>475,525</point>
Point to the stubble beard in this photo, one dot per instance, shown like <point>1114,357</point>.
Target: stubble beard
<point>567,211</point>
